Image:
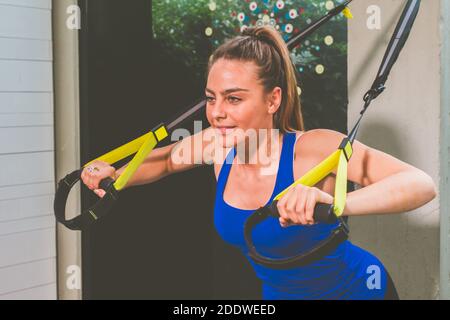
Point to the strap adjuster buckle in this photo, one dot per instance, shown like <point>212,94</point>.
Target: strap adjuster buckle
<point>343,226</point>
<point>346,147</point>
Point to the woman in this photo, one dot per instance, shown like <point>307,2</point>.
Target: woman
<point>251,85</point>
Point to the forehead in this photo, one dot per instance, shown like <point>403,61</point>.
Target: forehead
<point>232,73</point>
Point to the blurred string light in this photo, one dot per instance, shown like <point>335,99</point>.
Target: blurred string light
<point>208,31</point>
<point>329,5</point>
<point>286,16</point>
<point>230,17</point>
<point>320,69</point>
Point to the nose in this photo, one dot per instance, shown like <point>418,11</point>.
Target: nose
<point>217,110</point>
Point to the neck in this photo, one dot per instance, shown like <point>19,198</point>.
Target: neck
<point>263,151</point>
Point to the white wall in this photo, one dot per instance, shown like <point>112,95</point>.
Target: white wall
<point>27,225</point>
<point>404,122</point>
<point>444,187</point>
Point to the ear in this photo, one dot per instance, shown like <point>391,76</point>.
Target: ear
<point>274,100</point>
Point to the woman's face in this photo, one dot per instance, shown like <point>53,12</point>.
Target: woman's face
<point>236,100</point>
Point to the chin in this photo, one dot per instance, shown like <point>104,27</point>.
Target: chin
<point>229,140</point>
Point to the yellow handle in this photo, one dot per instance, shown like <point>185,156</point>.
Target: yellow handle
<point>323,169</point>
<point>142,146</point>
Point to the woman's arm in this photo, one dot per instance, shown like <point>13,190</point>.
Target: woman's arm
<point>176,157</point>
<point>195,150</point>
<point>389,185</point>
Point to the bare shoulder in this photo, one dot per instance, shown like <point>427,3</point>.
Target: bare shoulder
<point>317,144</point>
<point>311,148</point>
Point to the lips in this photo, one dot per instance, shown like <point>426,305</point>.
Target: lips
<point>225,129</point>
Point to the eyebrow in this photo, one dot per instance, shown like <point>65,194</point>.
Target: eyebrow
<point>227,91</point>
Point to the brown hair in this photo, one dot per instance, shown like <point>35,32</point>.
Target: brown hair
<point>265,47</point>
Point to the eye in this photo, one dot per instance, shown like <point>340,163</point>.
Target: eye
<point>234,99</point>
<point>209,99</point>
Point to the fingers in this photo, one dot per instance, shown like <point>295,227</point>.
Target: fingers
<point>298,204</point>
<point>309,209</point>
<point>100,192</point>
<point>290,207</point>
<point>284,223</point>
<point>281,206</point>
<point>96,172</point>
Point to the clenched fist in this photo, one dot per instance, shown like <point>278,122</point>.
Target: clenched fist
<point>296,207</point>
<point>96,172</point>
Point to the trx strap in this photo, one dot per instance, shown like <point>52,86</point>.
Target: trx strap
<point>325,212</point>
<point>141,147</point>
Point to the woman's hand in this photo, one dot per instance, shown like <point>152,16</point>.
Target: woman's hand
<point>96,172</point>
<point>297,205</point>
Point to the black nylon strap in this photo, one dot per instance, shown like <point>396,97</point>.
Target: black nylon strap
<point>394,48</point>
<point>338,235</point>
<point>87,217</point>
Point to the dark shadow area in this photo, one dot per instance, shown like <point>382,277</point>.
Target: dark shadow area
<point>159,242</point>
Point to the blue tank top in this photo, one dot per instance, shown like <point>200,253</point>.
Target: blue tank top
<point>348,272</point>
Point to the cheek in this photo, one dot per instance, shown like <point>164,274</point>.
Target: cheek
<point>238,113</point>
<point>252,115</point>
<point>208,113</point>
<point>246,111</point>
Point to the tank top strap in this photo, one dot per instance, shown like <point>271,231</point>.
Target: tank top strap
<point>225,170</point>
<point>285,176</point>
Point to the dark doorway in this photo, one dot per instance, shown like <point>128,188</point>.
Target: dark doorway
<point>159,242</point>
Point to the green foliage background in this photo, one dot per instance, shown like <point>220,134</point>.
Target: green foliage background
<point>180,28</point>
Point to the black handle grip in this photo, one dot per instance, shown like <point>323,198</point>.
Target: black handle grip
<point>323,212</point>
<point>106,183</point>
<point>88,216</point>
